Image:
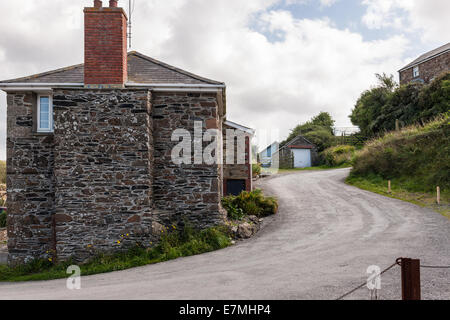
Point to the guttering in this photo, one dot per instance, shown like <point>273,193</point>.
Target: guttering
<point>157,87</point>
<point>26,86</point>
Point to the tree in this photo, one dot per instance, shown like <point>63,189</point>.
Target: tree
<point>377,109</point>
<point>370,105</point>
<point>319,130</point>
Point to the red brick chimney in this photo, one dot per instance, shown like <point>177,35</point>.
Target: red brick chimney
<point>105,45</point>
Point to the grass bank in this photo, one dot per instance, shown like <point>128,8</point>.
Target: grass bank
<point>401,191</point>
<point>173,245</point>
<point>416,160</point>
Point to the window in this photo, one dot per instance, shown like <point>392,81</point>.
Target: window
<point>416,72</point>
<point>44,114</point>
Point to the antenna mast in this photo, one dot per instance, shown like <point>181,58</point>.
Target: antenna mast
<point>130,12</point>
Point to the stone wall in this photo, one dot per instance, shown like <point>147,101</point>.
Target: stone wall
<point>428,69</point>
<point>186,191</point>
<point>104,180</point>
<point>30,184</point>
<point>237,170</point>
<point>103,177</point>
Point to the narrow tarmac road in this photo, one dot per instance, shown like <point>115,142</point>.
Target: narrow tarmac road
<point>318,247</point>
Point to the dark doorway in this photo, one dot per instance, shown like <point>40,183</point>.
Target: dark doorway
<point>235,187</point>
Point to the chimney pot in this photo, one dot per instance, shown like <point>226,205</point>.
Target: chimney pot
<point>98,3</point>
<point>113,3</point>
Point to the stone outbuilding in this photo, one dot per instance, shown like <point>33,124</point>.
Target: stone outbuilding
<point>89,165</point>
<point>237,172</point>
<point>297,153</point>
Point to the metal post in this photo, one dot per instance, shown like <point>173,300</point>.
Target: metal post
<point>410,279</point>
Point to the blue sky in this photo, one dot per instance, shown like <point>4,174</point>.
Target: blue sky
<point>283,61</point>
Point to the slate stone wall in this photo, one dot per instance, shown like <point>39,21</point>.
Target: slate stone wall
<point>236,170</point>
<point>30,184</point>
<point>103,176</point>
<point>186,191</point>
<point>104,180</point>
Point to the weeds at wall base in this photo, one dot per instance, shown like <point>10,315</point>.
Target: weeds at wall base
<point>174,244</point>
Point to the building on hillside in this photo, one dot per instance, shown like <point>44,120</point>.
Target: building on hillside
<point>297,153</point>
<point>237,171</point>
<point>426,67</point>
<point>89,149</point>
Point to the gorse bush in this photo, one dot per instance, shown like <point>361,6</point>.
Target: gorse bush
<point>418,156</point>
<point>338,155</point>
<point>250,203</point>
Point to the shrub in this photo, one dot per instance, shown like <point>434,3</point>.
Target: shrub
<point>339,155</point>
<point>256,169</point>
<point>377,109</point>
<point>249,203</point>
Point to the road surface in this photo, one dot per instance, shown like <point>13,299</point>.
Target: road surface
<point>319,246</point>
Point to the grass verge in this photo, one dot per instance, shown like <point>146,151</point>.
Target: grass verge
<point>401,190</point>
<point>173,245</point>
<point>324,167</point>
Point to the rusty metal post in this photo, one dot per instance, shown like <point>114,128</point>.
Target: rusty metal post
<point>410,279</point>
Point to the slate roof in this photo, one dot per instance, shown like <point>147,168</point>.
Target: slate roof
<point>428,55</point>
<point>141,69</point>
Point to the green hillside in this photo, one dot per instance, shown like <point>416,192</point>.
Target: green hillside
<point>416,160</point>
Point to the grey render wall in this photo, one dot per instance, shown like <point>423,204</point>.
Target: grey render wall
<point>187,191</point>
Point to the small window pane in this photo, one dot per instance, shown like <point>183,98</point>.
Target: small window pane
<point>44,113</point>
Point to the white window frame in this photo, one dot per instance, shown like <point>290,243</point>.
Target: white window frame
<point>416,72</point>
<point>50,111</point>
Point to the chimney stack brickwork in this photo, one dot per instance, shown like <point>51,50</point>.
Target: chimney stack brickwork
<point>105,47</point>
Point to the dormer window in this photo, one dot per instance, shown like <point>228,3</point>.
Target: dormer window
<point>44,113</point>
<point>416,72</point>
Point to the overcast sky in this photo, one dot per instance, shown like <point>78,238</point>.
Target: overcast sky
<point>283,60</point>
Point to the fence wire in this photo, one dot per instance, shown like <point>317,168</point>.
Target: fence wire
<point>397,262</point>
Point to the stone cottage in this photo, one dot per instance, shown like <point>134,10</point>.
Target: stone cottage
<point>89,149</point>
<point>428,66</point>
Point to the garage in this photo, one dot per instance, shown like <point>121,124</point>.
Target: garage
<point>302,158</point>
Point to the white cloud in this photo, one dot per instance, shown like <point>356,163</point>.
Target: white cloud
<point>322,3</point>
<point>429,18</point>
<point>312,67</point>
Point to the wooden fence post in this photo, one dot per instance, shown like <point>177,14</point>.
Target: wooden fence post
<point>410,279</point>
<point>389,186</point>
<point>438,195</point>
